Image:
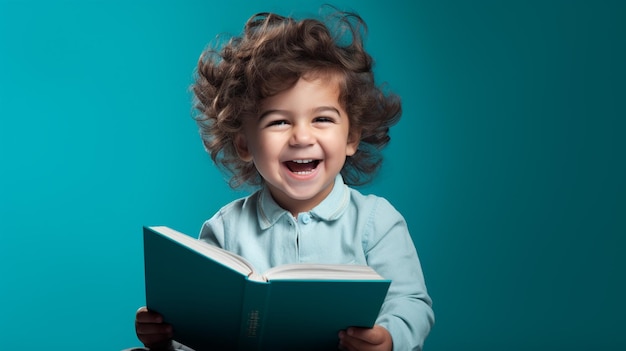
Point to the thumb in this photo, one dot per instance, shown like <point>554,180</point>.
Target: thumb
<point>375,335</point>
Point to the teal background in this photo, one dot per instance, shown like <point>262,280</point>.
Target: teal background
<point>508,163</point>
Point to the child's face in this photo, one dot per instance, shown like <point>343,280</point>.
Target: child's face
<point>299,143</point>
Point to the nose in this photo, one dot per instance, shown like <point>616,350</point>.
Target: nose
<point>302,135</point>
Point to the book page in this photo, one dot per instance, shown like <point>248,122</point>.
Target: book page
<point>322,272</point>
<point>215,253</point>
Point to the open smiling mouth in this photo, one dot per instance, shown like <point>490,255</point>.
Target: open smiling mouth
<point>302,167</point>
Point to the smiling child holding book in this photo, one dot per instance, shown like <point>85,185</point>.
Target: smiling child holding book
<point>291,106</point>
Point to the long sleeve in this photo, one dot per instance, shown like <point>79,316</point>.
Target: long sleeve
<point>407,312</point>
<point>180,347</point>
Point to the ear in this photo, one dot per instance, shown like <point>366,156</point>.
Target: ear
<point>353,142</point>
<point>241,146</point>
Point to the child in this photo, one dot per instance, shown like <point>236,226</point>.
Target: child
<point>294,109</point>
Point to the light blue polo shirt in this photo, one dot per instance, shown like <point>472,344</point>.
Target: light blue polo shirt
<point>345,228</point>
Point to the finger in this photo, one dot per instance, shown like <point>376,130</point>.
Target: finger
<point>153,328</point>
<point>349,343</point>
<point>155,336</point>
<point>144,315</point>
<point>369,335</point>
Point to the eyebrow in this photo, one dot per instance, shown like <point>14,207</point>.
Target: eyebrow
<point>316,110</point>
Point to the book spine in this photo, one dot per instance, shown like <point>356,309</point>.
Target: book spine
<point>253,312</point>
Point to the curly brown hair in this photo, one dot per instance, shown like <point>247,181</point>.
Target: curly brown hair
<point>271,55</point>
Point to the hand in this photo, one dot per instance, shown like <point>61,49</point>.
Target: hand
<point>365,339</point>
<point>151,330</point>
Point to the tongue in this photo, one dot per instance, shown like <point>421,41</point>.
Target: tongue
<point>301,167</point>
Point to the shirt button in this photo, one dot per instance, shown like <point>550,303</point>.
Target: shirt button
<point>306,218</point>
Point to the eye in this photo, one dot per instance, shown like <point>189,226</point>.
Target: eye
<point>324,119</point>
<point>277,122</point>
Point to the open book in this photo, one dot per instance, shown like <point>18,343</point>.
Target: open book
<point>214,299</point>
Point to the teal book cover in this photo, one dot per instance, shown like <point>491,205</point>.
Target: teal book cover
<point>215,300</point>
<point>198,297</point>
<point>308,315</point>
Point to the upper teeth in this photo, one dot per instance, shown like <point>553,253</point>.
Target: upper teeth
<point>302,161</point>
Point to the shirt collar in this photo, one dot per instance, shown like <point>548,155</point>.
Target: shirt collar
<point>331,208</point>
